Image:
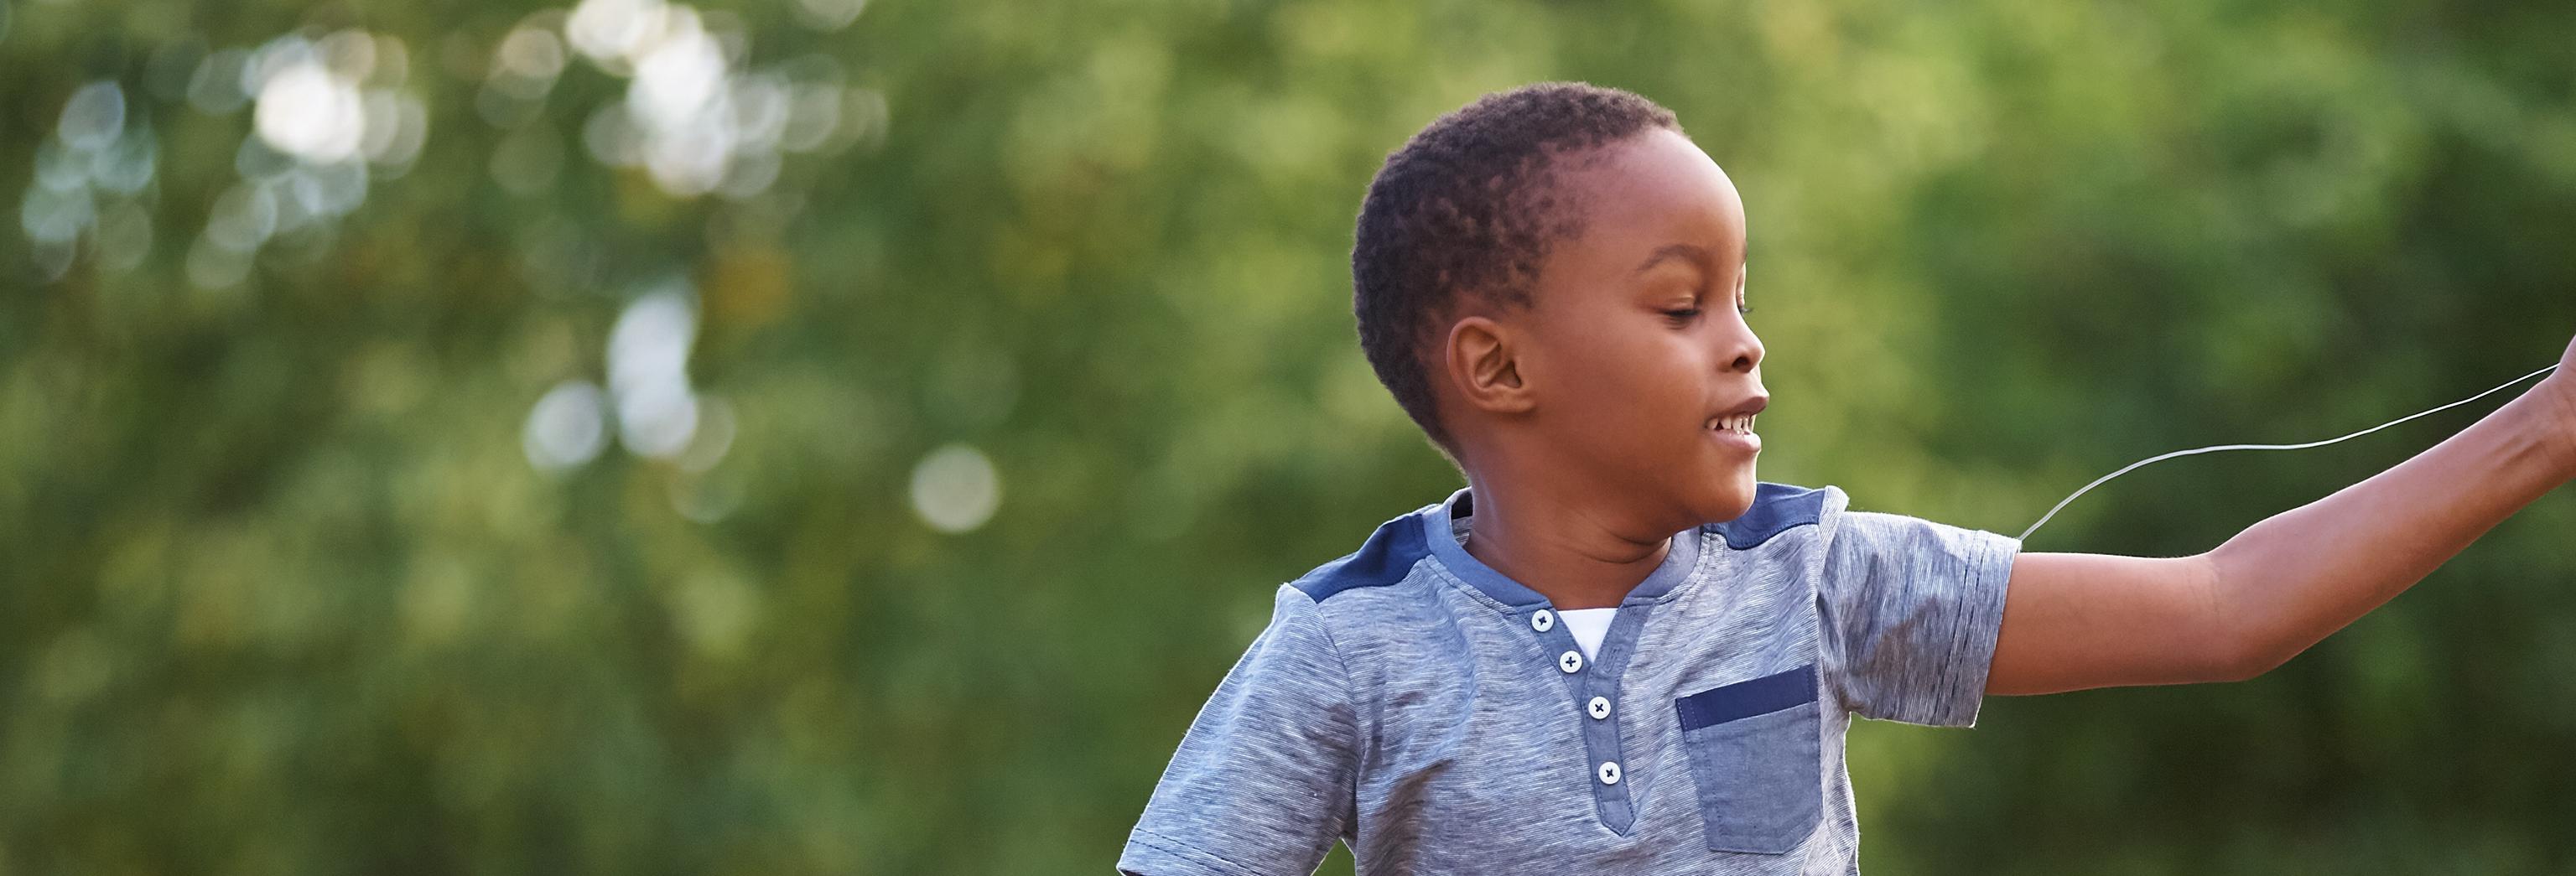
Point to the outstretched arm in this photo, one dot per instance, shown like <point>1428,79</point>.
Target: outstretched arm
<point>2075,621</point>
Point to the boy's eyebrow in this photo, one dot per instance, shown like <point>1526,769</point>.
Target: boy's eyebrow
<point>1698,255</point>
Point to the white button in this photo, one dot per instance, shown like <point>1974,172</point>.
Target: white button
<point>1609,772</point>
<point>1542,620</point>
<point>1570,661</point>
<point>1599,707</point>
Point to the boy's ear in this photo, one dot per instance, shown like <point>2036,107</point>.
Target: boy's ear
<point>1484,366</point>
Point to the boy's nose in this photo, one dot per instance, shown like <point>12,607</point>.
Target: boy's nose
<point>1745,353</point>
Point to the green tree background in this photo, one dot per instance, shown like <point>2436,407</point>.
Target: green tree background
<point>788,437</point>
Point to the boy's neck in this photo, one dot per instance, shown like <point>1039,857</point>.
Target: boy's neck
<point>1574,554</point>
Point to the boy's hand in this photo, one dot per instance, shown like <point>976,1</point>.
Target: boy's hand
<point>2074,621</point>
<point>2560,387</point>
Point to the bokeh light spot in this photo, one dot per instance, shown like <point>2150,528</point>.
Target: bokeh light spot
<point>310,112</point>
<point>955,489</point>
<point>828,15</point>
<point>568,426</point>
<point>648,371</point>
<point>93,116</point>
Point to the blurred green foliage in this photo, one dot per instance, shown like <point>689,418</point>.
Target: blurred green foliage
<point>310,571</point>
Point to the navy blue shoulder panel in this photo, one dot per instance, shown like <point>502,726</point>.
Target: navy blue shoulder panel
<point>1776,509</point>
<point>1387,556</point>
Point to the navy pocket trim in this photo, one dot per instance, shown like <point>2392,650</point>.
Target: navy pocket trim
<point>1745,699</point>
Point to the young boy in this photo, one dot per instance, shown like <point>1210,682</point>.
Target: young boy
<point>1566,667</point>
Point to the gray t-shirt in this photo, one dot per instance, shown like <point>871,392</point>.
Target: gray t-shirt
<point>1433,714</point>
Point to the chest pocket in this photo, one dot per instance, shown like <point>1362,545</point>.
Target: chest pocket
<point>1753,754</point>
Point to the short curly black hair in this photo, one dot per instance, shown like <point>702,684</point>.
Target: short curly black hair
<point>1468,207</point>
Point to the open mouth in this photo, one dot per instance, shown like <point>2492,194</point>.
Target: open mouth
<point>1741,424</point>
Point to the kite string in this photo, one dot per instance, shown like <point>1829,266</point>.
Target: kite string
<point>2052,512</point>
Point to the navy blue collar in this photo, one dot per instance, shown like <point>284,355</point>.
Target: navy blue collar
<point>1438,528</point>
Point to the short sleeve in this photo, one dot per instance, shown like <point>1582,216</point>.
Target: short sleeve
<point>1911,611</point>
<point>1263,780</point>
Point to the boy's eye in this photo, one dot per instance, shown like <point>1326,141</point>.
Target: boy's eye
<point>1685,314</point>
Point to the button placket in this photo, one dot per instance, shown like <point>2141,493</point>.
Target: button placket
<point>1598,695</point>
<point>1590,687</point>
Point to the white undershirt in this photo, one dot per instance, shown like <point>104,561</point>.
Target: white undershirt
<point>1588,626</point>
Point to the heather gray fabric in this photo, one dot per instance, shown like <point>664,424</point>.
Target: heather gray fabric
<point>1428,711</point>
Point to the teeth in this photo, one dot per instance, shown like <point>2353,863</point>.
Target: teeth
<point>1736,423</point>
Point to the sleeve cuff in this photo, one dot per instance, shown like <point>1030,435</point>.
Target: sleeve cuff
<point>1150,854</point>
<point>1980,625</point>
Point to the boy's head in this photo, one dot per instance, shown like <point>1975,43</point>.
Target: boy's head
<point>1548,280</point>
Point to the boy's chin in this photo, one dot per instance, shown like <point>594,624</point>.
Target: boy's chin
<point>1732,496</point>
